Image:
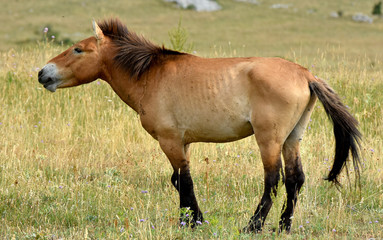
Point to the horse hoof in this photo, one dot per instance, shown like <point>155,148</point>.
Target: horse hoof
<point>250,229</point>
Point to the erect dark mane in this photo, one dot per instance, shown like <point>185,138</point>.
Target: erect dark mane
<point>135,54</point>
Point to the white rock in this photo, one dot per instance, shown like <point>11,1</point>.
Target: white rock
<point>334,15</point>
<point>249,1</point>
<point>280,5</point>
<point>199,5</point>
<point>360,17</point>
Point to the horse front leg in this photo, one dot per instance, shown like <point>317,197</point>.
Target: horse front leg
<point>182,181</point>
<point>190,212</point>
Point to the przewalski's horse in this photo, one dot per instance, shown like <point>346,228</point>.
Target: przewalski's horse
<point>182,99</point>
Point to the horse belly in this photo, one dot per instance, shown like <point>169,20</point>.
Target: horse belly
<point>217,112</point>
<point>217,129</point>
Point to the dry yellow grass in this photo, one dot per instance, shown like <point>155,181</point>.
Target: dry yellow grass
<point>77,164</point>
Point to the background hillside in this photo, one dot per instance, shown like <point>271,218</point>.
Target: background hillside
<point>251,29</point>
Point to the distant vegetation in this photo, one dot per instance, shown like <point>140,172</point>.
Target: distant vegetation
<point>377,10</point>
<point>251,29</point>
<point>178,37</point>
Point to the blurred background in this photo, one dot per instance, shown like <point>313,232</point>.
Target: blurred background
<point>250,27</point>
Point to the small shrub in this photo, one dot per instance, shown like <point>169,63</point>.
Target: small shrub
<point>377,10</point>
<point>178,39</point>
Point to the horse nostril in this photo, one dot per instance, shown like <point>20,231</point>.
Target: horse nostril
<point>41,72</point>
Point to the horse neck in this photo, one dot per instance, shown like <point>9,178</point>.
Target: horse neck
<point>131,91</point>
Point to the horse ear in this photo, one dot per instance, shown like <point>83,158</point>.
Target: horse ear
<point>97,31</point>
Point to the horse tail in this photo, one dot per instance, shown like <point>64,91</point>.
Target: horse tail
<point>347,135</point>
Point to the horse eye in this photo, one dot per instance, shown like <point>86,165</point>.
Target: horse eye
<point>77,50</point>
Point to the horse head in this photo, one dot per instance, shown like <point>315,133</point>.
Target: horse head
<point>79,64</point>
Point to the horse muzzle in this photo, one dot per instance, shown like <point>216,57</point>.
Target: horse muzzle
<point>49,77</point>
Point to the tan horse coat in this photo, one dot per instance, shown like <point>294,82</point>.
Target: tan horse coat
<point>182,99</point>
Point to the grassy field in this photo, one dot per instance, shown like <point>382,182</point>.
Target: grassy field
<point>78,165</point>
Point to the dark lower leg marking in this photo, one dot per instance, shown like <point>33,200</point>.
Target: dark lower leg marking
<point>175,180</point>
<point>258,219</point>
<point>184,184</point>
<point>294,181</point>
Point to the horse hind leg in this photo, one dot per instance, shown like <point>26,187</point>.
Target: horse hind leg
<point>275,136</point>
<point>271,158</point>
<point>293,167</point>
<point>294,179</point>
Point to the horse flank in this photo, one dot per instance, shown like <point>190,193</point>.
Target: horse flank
<point>135,54</point>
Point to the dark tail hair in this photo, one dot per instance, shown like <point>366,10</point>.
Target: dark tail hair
<point>347,136</point>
